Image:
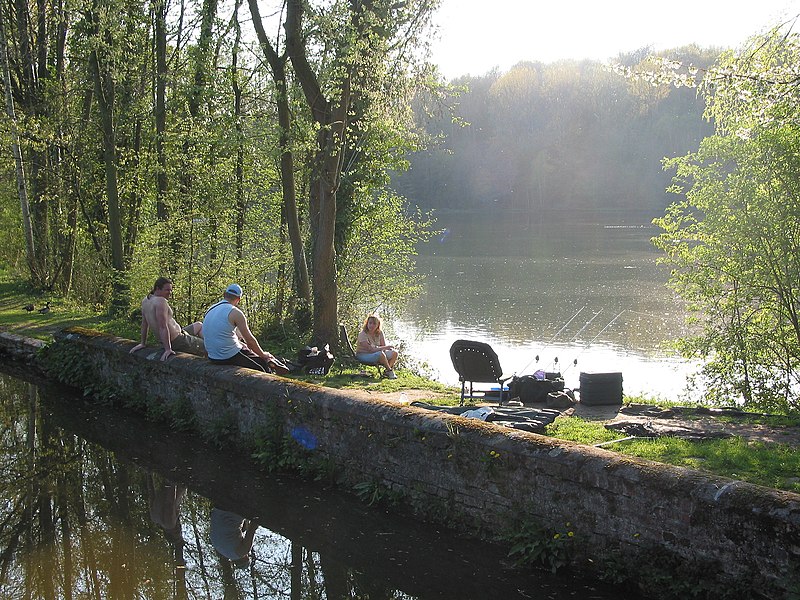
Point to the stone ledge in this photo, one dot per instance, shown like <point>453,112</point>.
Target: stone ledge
<point>20,348</point>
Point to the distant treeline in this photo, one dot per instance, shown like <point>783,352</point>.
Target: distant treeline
<point>570,135</point>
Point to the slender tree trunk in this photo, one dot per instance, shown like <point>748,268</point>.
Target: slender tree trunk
<point>134,208</point>
<point>105,93</point>
<point>195,100</point>
<point>159,13</point>
<point>47,526</point>
<point>89,553</point>
<point>241,201</point>
<point>32,73</point>
<point>32,489</point>
<point>288,185</point>
<point>22,190</point>
<point>65,520</point>
<point>335,576</point>
<point>68,201</point>
<point>197,91</point>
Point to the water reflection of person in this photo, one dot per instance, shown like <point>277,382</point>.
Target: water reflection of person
<point>165,499</point>
<point>165,505</point>
<point>232,536</point>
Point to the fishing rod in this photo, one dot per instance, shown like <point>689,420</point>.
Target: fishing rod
<point>558,333</point>
<point>590,342</point>
<point>536,358</point>
<point>589,322</point>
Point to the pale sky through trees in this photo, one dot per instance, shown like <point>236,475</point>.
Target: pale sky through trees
<point>477,35</point>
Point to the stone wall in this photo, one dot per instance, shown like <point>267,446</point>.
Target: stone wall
<point>615,512</point>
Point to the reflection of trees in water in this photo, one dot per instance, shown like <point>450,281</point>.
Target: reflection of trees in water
<point>77,522</point>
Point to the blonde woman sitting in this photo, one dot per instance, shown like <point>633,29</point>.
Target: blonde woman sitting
<point>372,349</point>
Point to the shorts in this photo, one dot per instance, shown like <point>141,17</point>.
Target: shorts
<point>369,358</point>
<point>188,343</point>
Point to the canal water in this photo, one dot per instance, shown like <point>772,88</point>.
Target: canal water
<point>552,291</point>
<point>98,503</point>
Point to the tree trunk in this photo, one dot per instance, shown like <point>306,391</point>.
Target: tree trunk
<point>331,122</point>
<point>241,201</point>
<point>160,33</point>
<point>195,98</point>
<point>278,66</point>
<point>323,202</point>
<point>68,201</point>
<point>104,91</point>
<point>22,190</point>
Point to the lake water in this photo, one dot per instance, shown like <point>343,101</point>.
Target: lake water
<point>97,503</point>
<point>580,293</point>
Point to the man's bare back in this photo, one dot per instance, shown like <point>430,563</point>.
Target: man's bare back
<point>156,310</point>
<point>157,315</point>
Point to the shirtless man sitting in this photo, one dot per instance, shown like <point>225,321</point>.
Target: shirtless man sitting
<point>157,315</point>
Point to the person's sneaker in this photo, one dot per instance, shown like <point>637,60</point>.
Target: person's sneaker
<point>390,374</point>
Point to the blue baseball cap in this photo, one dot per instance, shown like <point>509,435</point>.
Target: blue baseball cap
<point>234,289</point>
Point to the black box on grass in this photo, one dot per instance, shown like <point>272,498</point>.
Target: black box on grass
<point>600,388</point>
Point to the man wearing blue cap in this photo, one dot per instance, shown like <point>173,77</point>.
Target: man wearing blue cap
<point>223,326</point>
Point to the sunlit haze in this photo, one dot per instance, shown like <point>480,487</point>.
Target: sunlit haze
<point>478,35</point>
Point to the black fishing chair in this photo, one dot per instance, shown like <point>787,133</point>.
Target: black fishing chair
<point>345,341</point>
<point>476,362</point>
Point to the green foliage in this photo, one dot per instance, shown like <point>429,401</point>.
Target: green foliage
<point>282,453</point>
<point>222,430</point>
<point>377,270</point>
<point>613,568</point>
<point>219,215</point>
<point>492,460</point>
<point>375,493</point>
<point>181,415</point>
<point>733,241</point>
<point>67,364</point>
<point>11,243</point>
<point>697,579</point>
<point>532,544</point>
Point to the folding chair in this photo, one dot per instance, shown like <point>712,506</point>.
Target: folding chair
<point>476,362</point>
<point>345,340</point>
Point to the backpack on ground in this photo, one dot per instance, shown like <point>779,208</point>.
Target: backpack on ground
<point>314,360</point>
<point>531,390</point>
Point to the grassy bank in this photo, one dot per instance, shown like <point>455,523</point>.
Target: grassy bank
<point>773,465</point>
<point>768,464</point>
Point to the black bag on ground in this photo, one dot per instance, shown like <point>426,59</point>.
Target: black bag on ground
<point>314,360</point>
<point>293,366</point>
<point>530,390</point>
